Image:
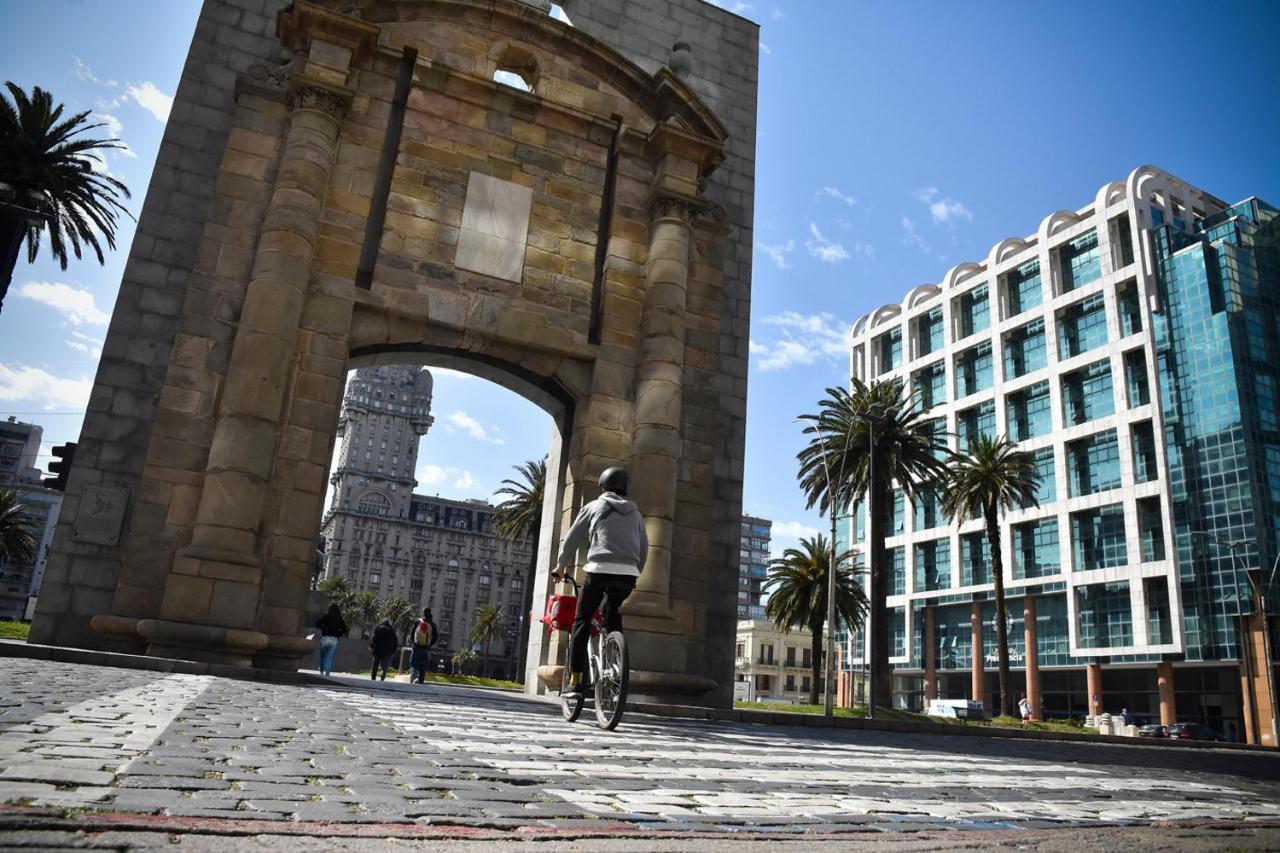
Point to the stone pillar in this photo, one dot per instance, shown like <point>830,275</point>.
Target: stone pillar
<point>1031,654</point>
<point>1093,681</point>
<point>212,597</point>
<point>930,655</point>
<point>1263,671</point>
<point>1164,683</point>
<point>978,690</point>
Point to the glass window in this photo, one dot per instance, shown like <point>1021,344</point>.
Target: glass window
<point>897,570</point>
<point>929,385</point>
<point>1047,491</point>
<point>897,632</point>
<point>1027,413</point>
<point>1097,538</point>
<point>933,565</point>
<point>1035,549</point>
<point>1024,350</point>
<point>1136,386</point>
<point>973,370</point>
<point>928,506</point>
<point>890,345</point>
<point>1087,394</point>
<point>1143,440</point>
<point>1150,530</point>
<point>1106,619</point>
<point>1159,623</point>
<point>1130,309</point>
<point>974,311</point>
<point>975,559</point>
<point>975,421</point>
<point>1079,261</point>
<point>1023,286</point>
<point>937,430</point>
<point>1082,326</point>
<point>896,521</point>
<point>929,333</point>
<point>1093,464</point>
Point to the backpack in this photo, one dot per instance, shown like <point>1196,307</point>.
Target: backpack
<point>424,633</point>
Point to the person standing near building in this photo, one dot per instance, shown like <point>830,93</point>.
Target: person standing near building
<point>332,627</point>
<point>1024,710</point>
<point>382,645</point>
<point>424,636</point>
<point>613,530</point>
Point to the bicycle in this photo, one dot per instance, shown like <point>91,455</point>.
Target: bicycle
<point>609,665</point>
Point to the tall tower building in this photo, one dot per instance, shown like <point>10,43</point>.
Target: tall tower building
<point>386,411</point>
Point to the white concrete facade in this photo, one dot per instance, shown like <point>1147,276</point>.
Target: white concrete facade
<point>1122,212</point>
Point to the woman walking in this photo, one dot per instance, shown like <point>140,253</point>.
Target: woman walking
<point>331,627</point>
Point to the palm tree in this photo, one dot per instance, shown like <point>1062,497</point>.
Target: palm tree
<point>54,171</point>
<point>365,610</point>
<point>835,468</point>
<point>400,612</point>
<point>463,658</point>
<point>520,517</point>
<point>487,627</point>
<point>993,475</point>
<point>797,587</point>
<point>17,529</point>
<point>339,591</point>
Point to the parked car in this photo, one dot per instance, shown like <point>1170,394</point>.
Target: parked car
<point>1154,730</point>
<point>1193,731</point>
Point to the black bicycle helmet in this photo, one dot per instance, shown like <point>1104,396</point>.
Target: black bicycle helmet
<point>615,480</point>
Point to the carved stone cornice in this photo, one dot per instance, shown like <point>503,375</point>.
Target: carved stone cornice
<point>307,94</point>
<point>673,206</point>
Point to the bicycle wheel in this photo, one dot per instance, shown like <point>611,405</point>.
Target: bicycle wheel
<point>611,684</point>
<point>571,708</point>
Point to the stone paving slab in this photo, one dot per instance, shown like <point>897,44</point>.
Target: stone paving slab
<point>198,747</point>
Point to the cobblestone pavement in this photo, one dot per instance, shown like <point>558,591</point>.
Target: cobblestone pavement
<point>196,747</point>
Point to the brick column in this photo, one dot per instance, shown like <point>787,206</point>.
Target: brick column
<point>211,599</point>
<point>1164,682</point>
<point>978,690</point>
<point>1031,654</point>
<point>930,655</point>
<point>1093,680</point>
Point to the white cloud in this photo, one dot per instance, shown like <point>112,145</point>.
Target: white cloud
<point>86,344</point>
<point>437,372</point>
<point>466,481</point>
<point>116,129</point>
<point>778,14</point>
<point>802,339</point>
<point>778,253</point>
<point>735,8</point>
<point>912,238</point>
<point>457,478</point>
<point>77,306</point>
<point>765,49</point>
<point>151,99</point>
<point>787,534</point>
<point>472,427</point>
<point>823,249</point>
<point>945,211</point>
<point>834,192</point>
<point>43,389</point>
<point>85,73</point>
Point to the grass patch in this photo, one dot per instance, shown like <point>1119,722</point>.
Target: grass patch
<point>12,629</point>
<point>461,680</point>
<point>860,712</point>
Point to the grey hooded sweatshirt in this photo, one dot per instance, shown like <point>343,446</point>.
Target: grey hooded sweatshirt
<point>613,529</point>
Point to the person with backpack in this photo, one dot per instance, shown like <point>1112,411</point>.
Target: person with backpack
<point>332,626</point>
<point>424,636</point>
<point>617,543</point>
<point>382,645</point>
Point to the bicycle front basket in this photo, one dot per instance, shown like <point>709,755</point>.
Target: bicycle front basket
<point>560,612</point>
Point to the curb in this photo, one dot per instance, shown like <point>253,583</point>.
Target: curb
<point>788,718</point>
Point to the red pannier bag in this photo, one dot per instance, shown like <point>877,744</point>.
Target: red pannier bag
<point>560,612</point>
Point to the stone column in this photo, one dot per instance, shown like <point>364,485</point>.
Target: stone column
<point>1168,703</point>
<point>1031,654</point>
<point>978,690</point>
<point>656,445</point>
<point>930,655</point>
<point>1093,682</point>
<point>211,599</point>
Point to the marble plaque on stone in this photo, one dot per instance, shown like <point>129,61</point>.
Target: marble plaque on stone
<point>100,516</point>
<point>495,227</point>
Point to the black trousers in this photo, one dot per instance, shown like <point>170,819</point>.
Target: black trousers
<point>597,588</point>
<point>383,662</point>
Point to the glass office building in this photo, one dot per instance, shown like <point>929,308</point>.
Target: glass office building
<point>753,566</point>
<point>1133,346</point>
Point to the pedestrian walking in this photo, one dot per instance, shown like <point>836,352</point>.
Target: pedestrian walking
<point>1024,710</point>
<point>424,636</point>
<point>382,645</point>
<point>332,626</point>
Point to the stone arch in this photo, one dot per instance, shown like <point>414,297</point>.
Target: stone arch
<point>1006,249</point>
<point>1056,222</point>
<point>921,295</point>
<point>358,185</point>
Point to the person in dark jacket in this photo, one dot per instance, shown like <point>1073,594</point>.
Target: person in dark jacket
<point>422,637</point>
<point>332,626</point>
<point>383,645</point>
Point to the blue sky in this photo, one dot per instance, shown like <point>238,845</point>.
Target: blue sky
<point>895,141</point>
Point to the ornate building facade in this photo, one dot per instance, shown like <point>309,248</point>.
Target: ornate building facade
<point>433,551</point>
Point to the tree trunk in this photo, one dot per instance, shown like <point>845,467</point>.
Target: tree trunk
<point>815,655</point>
<point>1002,613</point>
<point>526,619</point>
<point>878,592</point>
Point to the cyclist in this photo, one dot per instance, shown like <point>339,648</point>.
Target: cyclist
<point>613,530</point>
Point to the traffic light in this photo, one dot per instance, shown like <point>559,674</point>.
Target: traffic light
<point>61,466</point>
